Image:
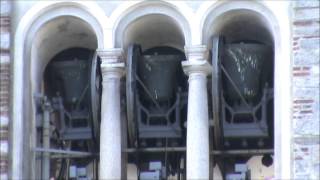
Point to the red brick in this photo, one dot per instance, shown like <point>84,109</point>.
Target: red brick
<point>4,21</point>
<point>3,164</point>
<point>310,37</point>
<point>306,112</point>
<point>301,74</point>
<point>296,68</point>
<point>295,48</point>
<point>303,23</point>
<point>296,38</point>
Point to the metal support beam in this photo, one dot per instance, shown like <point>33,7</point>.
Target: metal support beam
<point>214,152</point>
<point>58,153</point>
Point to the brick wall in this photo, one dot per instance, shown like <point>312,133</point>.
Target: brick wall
<point>305,77</point>
<point>4,85</point>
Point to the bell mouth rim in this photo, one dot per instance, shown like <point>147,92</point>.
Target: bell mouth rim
<point>257,45</point>
<point>69,62</point>
<point>162,58</point>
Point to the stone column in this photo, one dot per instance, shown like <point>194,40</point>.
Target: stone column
<point>110,130</point>
<point>197,68</point>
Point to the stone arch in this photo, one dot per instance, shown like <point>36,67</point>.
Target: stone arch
<point>276,21</point>
<point>39,16</point>
<point>169,12</point>
<point>210,21</point>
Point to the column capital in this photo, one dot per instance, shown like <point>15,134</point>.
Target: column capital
<point>111,62</point>
<point>200,66</point>
<point>110,70</point>
<point>196,52</point>
<point>110,55</point>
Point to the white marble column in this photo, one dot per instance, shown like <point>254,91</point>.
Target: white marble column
<point>197,68</point>
<point>110,130</point>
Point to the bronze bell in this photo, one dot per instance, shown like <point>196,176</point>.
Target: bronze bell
<point>73,76</point>
<point>159,74</point>
<point>245,63</point>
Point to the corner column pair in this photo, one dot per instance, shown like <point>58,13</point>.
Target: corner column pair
<point>197,68</point>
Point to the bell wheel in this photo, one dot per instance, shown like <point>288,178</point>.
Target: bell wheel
<point>95,89</point>
<point>216,91</point>
<point>134,52</point>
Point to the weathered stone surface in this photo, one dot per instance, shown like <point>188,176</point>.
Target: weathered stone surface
<point>306,4</point>
<point>308,31</point>
<point>4,176</point>
<point>5,8</point>
<point>307,13</point>
<point>4,58</point>
<point>4,121</point>
<point>306,158</point>
<point>3,147</point>
<point>304,93</point>
<point>310,44</point>
<point>307,78</point>
<point>310,57</point>
<point>306,111</point>
<point>109,6</point>
<point>4,107</point>
<point>4,87</point>
<point>5,41</point>
<point>194,5</point>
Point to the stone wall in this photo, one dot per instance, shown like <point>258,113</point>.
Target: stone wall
<point>305,78</point>
<point>4,86</point>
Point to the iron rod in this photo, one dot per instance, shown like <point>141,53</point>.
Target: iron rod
<point>155,150</point>
<point>235,86</point>
<point>69,156</point>
<point>148,93</point>
<point>59,151</point>
<point>243,152</point>
<point>214,152</point>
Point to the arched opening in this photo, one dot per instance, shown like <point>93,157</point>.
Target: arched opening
<point>237,25</point>
<point>153,30</point>
<point>242,49</point>
<point>156,93</point>
<point>27,74</point>
<point>57,35</point>
<point>61,111</point>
